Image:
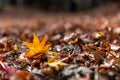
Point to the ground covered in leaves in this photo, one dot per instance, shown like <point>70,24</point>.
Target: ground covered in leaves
<point>64,47</point>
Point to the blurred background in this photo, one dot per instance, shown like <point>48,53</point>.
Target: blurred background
<point>54,5</point>
<point>58,12</point>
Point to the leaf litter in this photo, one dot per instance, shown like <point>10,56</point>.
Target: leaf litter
<point>70,54</point>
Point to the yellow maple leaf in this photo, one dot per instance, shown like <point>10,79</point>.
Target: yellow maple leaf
<point>52,62</point>
<point>37,48</point>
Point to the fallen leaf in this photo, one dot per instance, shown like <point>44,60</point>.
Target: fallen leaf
<point>15,47</point>
<point>52,62</point>
<point>37,48</point>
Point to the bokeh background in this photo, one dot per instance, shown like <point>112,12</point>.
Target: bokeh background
<point>58,5</point>
<point>92,14</point>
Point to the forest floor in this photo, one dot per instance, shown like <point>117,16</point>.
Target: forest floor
<point>83,45</point>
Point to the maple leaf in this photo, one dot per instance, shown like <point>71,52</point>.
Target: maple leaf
<point>37,48</point>
<point>52,62</point>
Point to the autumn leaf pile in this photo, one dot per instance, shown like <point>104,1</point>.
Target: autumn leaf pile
<point>69,54</point>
